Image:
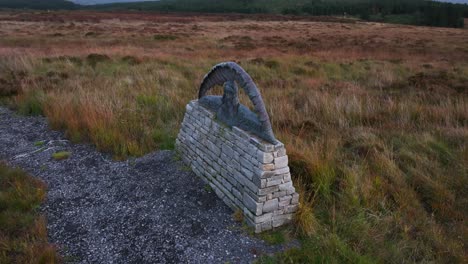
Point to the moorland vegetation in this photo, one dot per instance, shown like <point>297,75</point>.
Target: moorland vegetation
<point>414,12</point>
<point>374,116</point>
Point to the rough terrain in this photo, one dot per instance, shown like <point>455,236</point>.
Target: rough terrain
<point>144,210</point>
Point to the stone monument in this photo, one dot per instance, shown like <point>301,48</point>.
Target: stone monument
<point>234,150</point>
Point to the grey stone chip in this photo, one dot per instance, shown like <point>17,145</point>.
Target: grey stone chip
<point>143,210</point>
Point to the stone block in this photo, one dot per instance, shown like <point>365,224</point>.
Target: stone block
<point>219,193</point>
<point>226,184</point>
<point>292,208</point>
<point>266,226</point>
<point>285,200</point>
<point>267,190</point>
<point>247,173</point>
<point>279,146</point>
<point>286,177</point>
<point>264,174</point>
<point>254,207</point>
<point>256,227</point>
<point>274,182</point>
<point>258,182</point>
<point>257,198</point>
<point>295,198</point>
<point>268,167</point>
<point>265,157</point>
<point>236,193</point>
<point>241,133</point>
<point>282,170</point>
<point>263,218</point>
<point>277,194</point>
<point>270,205</point>
<point>281,162</point>
<point>243,170</point>
<point>189,108</point>
<point>291,191</point>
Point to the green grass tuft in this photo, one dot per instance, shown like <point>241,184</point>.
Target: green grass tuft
<point>32,103</point>
<point>61,155</point>
<point>274,237</point>
<point>39,143</point>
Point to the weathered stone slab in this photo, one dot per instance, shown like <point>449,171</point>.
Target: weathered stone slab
<point>243,170</point>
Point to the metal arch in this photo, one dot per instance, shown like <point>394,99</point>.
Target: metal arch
<point>228,107</point>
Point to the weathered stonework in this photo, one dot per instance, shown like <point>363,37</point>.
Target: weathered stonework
<point>245,171</point>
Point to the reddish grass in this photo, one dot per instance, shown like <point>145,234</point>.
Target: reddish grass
<point>374,116</point>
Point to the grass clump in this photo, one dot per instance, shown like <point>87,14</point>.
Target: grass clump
<point>131,60</point>
<point>164,139</point>
<point>238,216</point>
<point>275,237</point>
<point>39,143</point>
<point>207,187</point>
<point>31,103</point>
<point>23,234</point>
<point>61,155</point>
<point>377,142</point>
<point>164,37</point>
<point>93,59</point>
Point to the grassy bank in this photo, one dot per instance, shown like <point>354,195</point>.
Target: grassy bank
<point>379,159</point>
<point>23,233</point>
<point>377,137</point>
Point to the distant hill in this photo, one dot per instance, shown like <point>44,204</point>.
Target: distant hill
<point>455,1</point>
<point>38,4</point>
<point>414,12</point>
<point>97,2</point>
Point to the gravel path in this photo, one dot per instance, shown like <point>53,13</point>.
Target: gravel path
<point>144,210</point>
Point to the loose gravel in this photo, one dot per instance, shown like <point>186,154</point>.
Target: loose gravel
<point>143,210</point>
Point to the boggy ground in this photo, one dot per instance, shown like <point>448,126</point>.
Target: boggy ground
<point>374,116</point>
<point>143,210</point>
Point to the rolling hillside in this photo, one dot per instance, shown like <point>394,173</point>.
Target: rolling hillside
<point>38,4</point>
<point>414,12</point>
<point>97,2</point>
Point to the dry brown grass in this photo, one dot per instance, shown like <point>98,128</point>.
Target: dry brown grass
<point>374,116</point>
<point>23,233</point>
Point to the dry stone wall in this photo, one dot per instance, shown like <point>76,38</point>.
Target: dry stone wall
<point>246,172</point>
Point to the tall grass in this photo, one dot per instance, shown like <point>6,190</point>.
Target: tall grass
<point>378,147</point>
<point>23,233</point>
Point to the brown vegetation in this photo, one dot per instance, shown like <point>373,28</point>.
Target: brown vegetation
<point>23,233</point>
<point>374,116</point>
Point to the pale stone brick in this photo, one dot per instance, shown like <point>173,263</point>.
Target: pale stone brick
<point>281,162</point>
<point>274,182</point>
<point>270,205</point>
<point>263,218</point>
<point>295,198</point>
<point>286,177</point>
<point>268,167</point>
<point>292,208</point>
<point>268,190</point>
<point>264,157</point>
<point>266,225</point>
<point>243,170</point>
<point>282,170</point>
<point>254,207</point>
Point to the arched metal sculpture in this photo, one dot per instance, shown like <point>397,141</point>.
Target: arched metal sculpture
<point>228,109</point>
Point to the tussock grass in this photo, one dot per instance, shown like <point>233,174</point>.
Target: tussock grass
<point>23,233</point>
<point>377,140</point>
<point>62,155</point>
<point>164,37</point>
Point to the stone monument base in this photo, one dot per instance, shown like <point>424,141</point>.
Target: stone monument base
<point>246,172</point>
